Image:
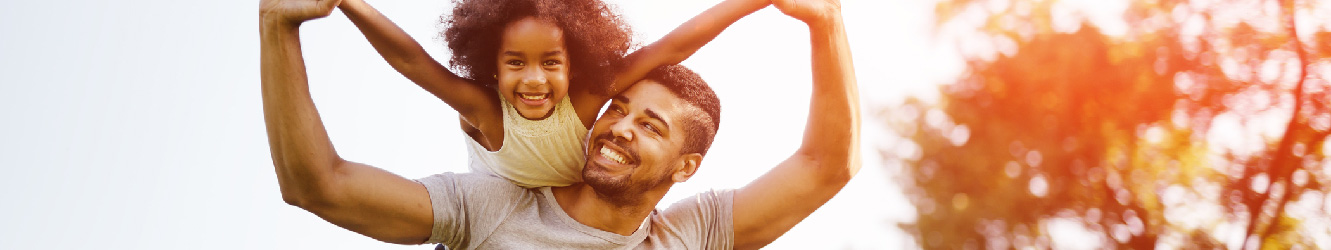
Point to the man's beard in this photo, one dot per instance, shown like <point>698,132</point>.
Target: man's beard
<point>620,190</point>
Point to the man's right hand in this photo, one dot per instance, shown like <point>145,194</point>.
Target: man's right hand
<point>293,12</point>
<point>812,12</point>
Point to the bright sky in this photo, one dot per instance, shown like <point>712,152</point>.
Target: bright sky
<point>138,125</point>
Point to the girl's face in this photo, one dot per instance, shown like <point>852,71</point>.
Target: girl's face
<point>533,67</point>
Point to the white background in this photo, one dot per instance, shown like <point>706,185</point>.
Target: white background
<point>138,125</point>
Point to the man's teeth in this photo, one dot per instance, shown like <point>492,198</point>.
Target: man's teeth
<point>532,97</point>
<point>612,155</point>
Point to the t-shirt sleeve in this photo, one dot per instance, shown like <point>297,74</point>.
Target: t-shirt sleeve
<point>467,205</point>
<point>705,219</point>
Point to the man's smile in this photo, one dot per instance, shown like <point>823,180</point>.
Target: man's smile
<point>611,154</point>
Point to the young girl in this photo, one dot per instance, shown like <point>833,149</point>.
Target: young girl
<point>535,73</point>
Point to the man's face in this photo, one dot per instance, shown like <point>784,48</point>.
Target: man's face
<point>635,145</point>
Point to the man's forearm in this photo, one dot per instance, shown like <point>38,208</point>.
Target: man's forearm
<point>301,150</point>
<point>833,129</point>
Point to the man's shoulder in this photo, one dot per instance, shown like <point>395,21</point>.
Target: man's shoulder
<point>703,205</point>
<point>703,220</point>
<point>472,183</point>
<point>471,205</point>
<point>713,196</point>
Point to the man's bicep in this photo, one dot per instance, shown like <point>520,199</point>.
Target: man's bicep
<point>378,204</point>
<point>769,206</point>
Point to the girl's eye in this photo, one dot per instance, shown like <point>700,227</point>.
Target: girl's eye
<point>551,63</point>
<point>514,62</point>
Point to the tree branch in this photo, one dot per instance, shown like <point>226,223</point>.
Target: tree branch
<point>1283,165</point>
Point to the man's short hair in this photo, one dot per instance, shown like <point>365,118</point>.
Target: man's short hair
<point>700,128</point>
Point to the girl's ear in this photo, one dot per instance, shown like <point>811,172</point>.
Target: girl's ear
<point>688,165</point>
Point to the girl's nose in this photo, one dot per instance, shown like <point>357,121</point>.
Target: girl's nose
<point>533,79</point>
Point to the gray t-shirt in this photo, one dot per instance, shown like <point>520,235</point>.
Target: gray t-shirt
<point>478,211</point>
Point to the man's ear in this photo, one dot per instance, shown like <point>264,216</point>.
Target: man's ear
<point>688,165</point>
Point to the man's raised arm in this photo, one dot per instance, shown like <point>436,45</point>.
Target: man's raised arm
<point>768,207</point>
<point>311,175</point>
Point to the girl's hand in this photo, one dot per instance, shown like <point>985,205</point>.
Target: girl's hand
<point>810,11</point>
<point>295,11</point>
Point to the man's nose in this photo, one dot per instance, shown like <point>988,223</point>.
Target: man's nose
<point>623,129</point>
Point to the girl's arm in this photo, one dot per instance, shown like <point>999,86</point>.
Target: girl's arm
<point>407,57</point>
<point>683,41</point>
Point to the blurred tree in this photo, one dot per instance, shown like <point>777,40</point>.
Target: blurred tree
<point>1197,127</point>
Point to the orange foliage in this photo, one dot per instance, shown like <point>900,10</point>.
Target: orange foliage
<point>1115,133</point>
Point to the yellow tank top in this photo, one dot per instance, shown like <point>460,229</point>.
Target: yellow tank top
<point>542,153</point>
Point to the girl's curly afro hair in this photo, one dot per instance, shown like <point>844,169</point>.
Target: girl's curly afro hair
<point>595,37</point>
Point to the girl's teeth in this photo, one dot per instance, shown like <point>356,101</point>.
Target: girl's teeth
<point>531,97</point>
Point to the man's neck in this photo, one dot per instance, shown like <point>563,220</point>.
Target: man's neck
<point>582,203</point>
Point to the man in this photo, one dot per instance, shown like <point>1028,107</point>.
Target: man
<point>652,135</point>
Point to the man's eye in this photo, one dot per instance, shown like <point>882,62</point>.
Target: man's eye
<point>650,127</point>
<point>551,63</point>
<point>514,62</point>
